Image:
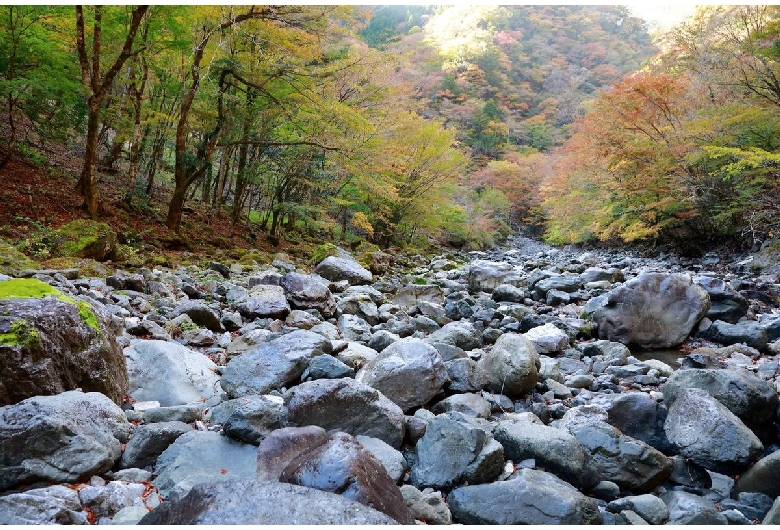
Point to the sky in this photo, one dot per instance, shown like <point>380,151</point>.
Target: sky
<point>662,16</point>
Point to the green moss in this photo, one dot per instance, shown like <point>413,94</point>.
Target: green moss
<point>12,261</point>
<point>420,281</point>
<point>32,288</point>
<point>322,252</point>
<point>84,238</point>
<point>20,332</point>
<point>88,268</point>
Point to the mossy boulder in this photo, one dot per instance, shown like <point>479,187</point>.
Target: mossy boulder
<point>84,238</point>
<point>87,267</point>
<point>51,343</point>
<point>12,262</point>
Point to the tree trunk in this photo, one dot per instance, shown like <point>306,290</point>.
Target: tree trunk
<point>176,207</point>
<point>88,182</point>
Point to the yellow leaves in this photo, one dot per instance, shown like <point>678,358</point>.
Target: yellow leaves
<point>360,220</point>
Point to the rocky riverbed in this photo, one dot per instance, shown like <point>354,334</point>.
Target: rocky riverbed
<point>517,386</point>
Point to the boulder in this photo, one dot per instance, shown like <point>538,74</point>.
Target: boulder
<point>761,478</point>
<point>426,505</point>
<point>636,415</point>
<point>359,305</point>
<point>689,509</point>
<point>727,304</point>
<point>51,343</point>
<point>749,333</point>
<point>257,502</point>
<point>548,339</point>
<point>202,456</point>
<point>356,355</point>
<point>263,301</point>
<point>348,406</point>
<point>567,283</point>
<point>450,451</point>
<point>468,404</point>
<point>249,419</point>
<point>337,269</point>
<point>556,450</point>
<point>411,295</point>
<point>533,497</point>
<point>647,506</point>
<point>148,441</point>
<point>408,372</point>
<point>708,433</point>
<point>273,364</point>
<point>199,313</point>
<point>283,445</point>
<point>106,500</point>
<point>84,238</point>
<point>459,334</point>
<point>653,310</point>
<point>512,364</point>
<point>354,328</point>
<point>630,463</point>
<point>62,438</point>
<point>466,376</point>
<point>326,367</point>
<point>751,399</point>
<point>341,465</point>
<point>487,275</point>
<point>171,374</point>
<point>42,506</point>
<point>391,459</point>
<point>304,291</point>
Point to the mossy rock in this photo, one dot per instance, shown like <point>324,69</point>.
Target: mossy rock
<point>88,268</point>
<point>12,262</point>
<point>251,257</point>
<point>51,343</point>
<point>84,238</point>
<point>323,251</point>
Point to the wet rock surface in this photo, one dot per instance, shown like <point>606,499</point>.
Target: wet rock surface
<point>523,385</point>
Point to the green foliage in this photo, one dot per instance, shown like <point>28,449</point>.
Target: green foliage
<point>322,252</point>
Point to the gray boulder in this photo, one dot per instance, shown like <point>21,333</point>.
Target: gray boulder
<point>426,505</point>
<point>263,301</point>
<point>689,509</point>
<point>459,334</point>
<point>283,445</point>
<point>356,355</point>
<point>306,292</point>
<point>200,313</point>
<point>55,343</point>
<point>654,310</point>
<point>255,502</point>
<point>751,399</point>
<point>636,415</point>
<point>761,478</point>
<point>360,305</point>
<point>337,269</point>
<point>149,441</point>
<point>60,438</point>
<point>708,433</point>
<point>548,339</point>
<point>354,328</point>
<point>202,456</point>
<point>512,364</point>
<point>727,304</point>
<point>170,373</point>
<point>466,376</point>
<point>749,333</point>
<point>468,404</point>
<point>348,406</point>
<point>273,364</point>
<point>391,459</point>
<point>409,372</point>
<point>556,450</point>
<point>630,463</point>
<point>567,283</point>
<point>341,465</point>
<point>508,293</point>
<point>487,275</point>
<point>249,419</point>
<point>773,517</point>
<point>106,500</point>
<point>451,450</point>
<point>411,295</point>
<point>51,505</point>
<point>533,497</point>
<point>326,367</point>
<point>647,506</point>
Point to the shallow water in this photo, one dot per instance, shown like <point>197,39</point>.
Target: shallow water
<point>669,357</point>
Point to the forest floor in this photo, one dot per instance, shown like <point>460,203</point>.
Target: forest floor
<point>39,196</point>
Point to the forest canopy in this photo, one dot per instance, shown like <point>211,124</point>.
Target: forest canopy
<point>408,124</point>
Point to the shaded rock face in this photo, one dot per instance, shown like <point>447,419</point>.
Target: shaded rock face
<point>48,346</point>
<point>60,438</point>
<point>727,304</point>
<point>654,310</point>
<point>249,419</point>
<point>408,372</point>
<point>708,433</point>
<point>263,301</point>
<point>171,374</point>
<point>149,441</point>
<point>273,364</point>
<point>283,445</point>
<point>533,497</point>
<point>348,406</point>
<point>762,477</point>
<point>337,269</point>
<point>341,465</point>
<point>253,501</point>
<point>305,292</point>
<point>513,365</point>
<point>638,416</point>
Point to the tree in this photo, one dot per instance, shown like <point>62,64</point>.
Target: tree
<point>98,80</point>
